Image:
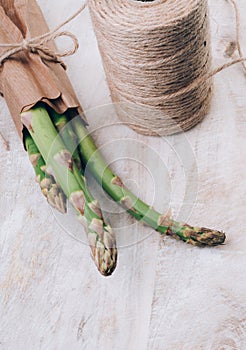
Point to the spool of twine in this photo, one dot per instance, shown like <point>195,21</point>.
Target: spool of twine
<point>153,52</point>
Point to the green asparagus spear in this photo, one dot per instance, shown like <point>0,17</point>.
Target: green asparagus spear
<point>49,188</point>
<point>60,164</point>
<point>112,184</point>
<point>69,138</point>
<point>66,132</point>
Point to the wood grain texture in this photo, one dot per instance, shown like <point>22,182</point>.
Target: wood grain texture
<point>164,295</point>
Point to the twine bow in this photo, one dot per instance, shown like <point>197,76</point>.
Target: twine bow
<point>37,44</point>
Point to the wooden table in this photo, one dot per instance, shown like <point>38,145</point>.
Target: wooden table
<point>164,294</point>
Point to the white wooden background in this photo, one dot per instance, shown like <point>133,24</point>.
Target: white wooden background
<point>164,294</point>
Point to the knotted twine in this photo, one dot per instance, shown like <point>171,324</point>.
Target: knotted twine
<point>37,44</point>
<point>156,56</point>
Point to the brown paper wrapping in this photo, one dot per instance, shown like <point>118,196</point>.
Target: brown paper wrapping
<point>26,78</point>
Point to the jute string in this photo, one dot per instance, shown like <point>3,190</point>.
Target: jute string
<point>157,60</point>
<point>37,44</point>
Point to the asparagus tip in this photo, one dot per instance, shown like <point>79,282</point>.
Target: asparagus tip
<point>105,259</point>
<point>208,237</point>
<point>198,236</point>
<point>103,248</point>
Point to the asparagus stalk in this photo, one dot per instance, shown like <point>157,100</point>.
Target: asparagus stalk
<point>113,186</point>
<point>61,165</point>
<point>69,138</point>
<point>49,187</point>
<point>64,126</point>
<point>66,132</point>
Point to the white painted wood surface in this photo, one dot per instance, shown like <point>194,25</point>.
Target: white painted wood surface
<point>164,295</point>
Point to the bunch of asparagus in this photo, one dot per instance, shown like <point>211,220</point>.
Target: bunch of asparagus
<point>55,165</point>
<point>60,147</point>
